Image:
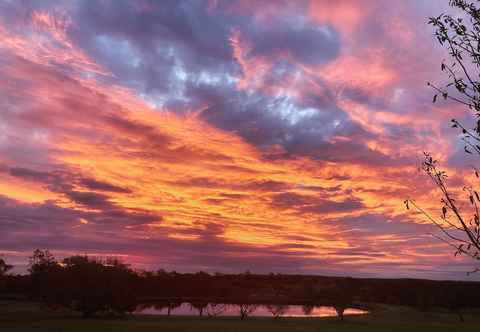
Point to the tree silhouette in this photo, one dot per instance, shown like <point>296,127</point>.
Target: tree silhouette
<point>200,306</point>
<point>459,224</point>
<point>171,306</point>
<point>4,267</point>
<point>246,310</point>
<point>277,310</point>
<point>307,309</point>
<point>84,284</point>
<point>341,295</point>
<point>93,285</point>
<point>41,261</point>
<point>46,278</point>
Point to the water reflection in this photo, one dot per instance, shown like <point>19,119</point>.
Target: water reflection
<point>221,309</point>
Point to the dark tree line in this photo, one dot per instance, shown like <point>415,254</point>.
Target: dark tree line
<point>94,286</point>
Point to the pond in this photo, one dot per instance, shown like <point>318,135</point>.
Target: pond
<point>220,309</point>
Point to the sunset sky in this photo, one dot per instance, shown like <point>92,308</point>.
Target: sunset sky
<point>270,136</point>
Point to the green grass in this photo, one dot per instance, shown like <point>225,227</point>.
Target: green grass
<point>29,317</point>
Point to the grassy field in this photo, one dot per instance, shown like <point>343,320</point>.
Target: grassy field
<point>29,318</point>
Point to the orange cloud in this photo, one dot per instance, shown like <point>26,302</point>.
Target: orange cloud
<point>345,15</point>
<point>113,165</point>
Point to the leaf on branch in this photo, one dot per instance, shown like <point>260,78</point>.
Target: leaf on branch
<point>434,98</point>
